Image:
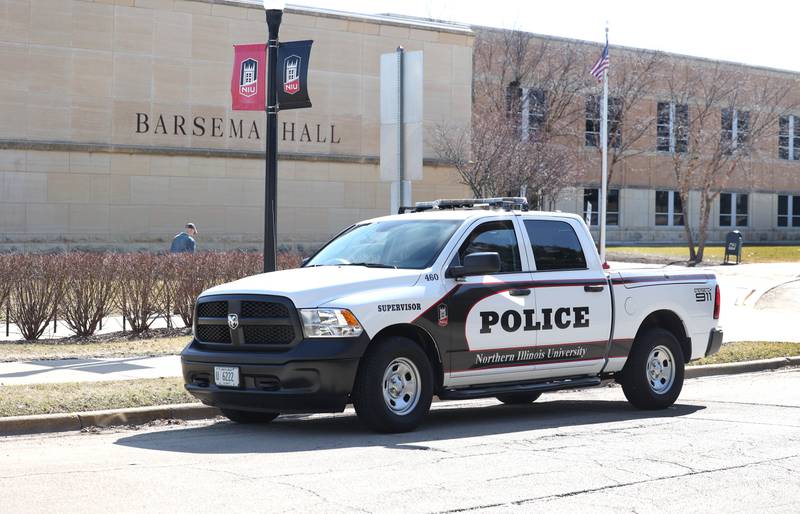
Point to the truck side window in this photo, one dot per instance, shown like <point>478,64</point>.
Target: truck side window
<point>494,236</point>
<point>555,245</point>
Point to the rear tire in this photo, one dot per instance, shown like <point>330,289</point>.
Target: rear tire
<point>394,386</point>
<point>653,375</point>
<point>245,417</point>
<point>519,398</point>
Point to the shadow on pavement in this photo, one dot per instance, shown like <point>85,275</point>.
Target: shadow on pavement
<point>303,433</point>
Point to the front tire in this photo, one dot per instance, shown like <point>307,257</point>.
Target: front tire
<point>518,398</point>
<point>653,375</point>
<point>245,417</point>
<point>394,386</point>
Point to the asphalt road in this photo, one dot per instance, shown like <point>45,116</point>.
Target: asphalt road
<point>730,444</point>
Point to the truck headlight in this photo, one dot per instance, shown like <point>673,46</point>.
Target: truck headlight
<point>330,323</point>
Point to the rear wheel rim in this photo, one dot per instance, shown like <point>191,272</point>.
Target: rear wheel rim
<point>660,369</point>
<point>401,386</point>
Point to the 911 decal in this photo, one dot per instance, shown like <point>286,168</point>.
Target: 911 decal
<point>702,294</point>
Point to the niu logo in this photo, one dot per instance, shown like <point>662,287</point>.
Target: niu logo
<point>248,78</point>
<point>291,74</point>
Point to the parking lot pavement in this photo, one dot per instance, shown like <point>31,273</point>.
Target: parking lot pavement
<point>730,444</point>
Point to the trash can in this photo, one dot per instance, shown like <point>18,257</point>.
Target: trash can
<point>733,246</point>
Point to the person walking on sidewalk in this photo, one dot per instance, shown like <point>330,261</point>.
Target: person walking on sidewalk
<point>184,242</point>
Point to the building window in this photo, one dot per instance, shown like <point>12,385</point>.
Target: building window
<point>735,130</point>
<point>669,210</point>
<point>789,210</point>
<point>591,206</point>
<point>789,138</point>
<point>527,108</point>
<point>672,129</point>
<point>594,119</point>
<point>733,209</point>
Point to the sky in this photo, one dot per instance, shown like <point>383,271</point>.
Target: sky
<point>761,33</point>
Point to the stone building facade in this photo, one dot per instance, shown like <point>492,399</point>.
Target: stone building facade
<point>116,126</point>
<point>116,129</point>
<point>762,196</point>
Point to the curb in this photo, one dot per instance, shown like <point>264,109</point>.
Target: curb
<point>733,368</point>
<point>19,425</point>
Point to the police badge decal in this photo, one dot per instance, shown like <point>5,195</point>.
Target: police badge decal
<point>443,320</point>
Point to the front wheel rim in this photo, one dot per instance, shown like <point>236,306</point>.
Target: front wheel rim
<point>660,369</point>
<point>401,386</point>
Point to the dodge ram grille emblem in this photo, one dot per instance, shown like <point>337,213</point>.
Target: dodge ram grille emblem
<point>233,321</point>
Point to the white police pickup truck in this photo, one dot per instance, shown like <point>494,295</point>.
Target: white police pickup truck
<point>458,299</point>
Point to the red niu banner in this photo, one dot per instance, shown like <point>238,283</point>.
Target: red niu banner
<point>248,83</point>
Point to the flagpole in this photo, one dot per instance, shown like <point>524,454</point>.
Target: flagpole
<point>604,180</point>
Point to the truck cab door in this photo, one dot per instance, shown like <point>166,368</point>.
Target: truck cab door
<point>573,297</point>
<point>485,313</point>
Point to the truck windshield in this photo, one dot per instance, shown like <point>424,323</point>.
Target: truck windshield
<point>412,244</point>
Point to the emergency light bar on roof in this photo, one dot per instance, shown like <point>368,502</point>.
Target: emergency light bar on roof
<point>507,203</point>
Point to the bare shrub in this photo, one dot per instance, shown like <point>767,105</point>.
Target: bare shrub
<point>193,274</point>
<point>236,265</point>
<point>288,260</point>
<point>90,284</point>
<point>7,278</point>
<point>140,289</point>
<point>36,292</point>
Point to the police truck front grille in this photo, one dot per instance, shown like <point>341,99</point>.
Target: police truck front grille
<point>263,310</point>
<point>213,334</point>
<point>250,322</point>
<point>268,334</point>
<point>212,309</point>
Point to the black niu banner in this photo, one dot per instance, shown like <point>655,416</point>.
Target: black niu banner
<point>292,74</point>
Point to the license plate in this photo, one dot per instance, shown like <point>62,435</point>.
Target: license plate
<point>226,377</point>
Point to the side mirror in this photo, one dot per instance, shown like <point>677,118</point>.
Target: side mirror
<point>304,261</point>
<point>480,263</point>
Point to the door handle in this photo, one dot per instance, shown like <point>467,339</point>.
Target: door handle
<point>593,289</point>
<point>520,292</point>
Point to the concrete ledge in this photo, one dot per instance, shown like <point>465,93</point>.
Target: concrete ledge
<point>733,368</point>
<point>18,425</point>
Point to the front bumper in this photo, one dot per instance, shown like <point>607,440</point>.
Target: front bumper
<point>316,375</point>
<point>714,341</point>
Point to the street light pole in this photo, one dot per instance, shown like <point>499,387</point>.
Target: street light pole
<point>271,152</point>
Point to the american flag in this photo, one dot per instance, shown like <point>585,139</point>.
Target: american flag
<point>600,67</point>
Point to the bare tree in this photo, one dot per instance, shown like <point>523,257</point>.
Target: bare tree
<point>710,152</point>
<point>632,78</point>
<point>527,94</point>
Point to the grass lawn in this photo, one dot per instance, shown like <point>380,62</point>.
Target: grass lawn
<point>20,400</point>
<point>750,254</point>
<point>750,351</point>
<point>120,346</point>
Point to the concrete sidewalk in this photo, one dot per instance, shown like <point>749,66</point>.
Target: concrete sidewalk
<point>111,324</point>
<point>88,370</point>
